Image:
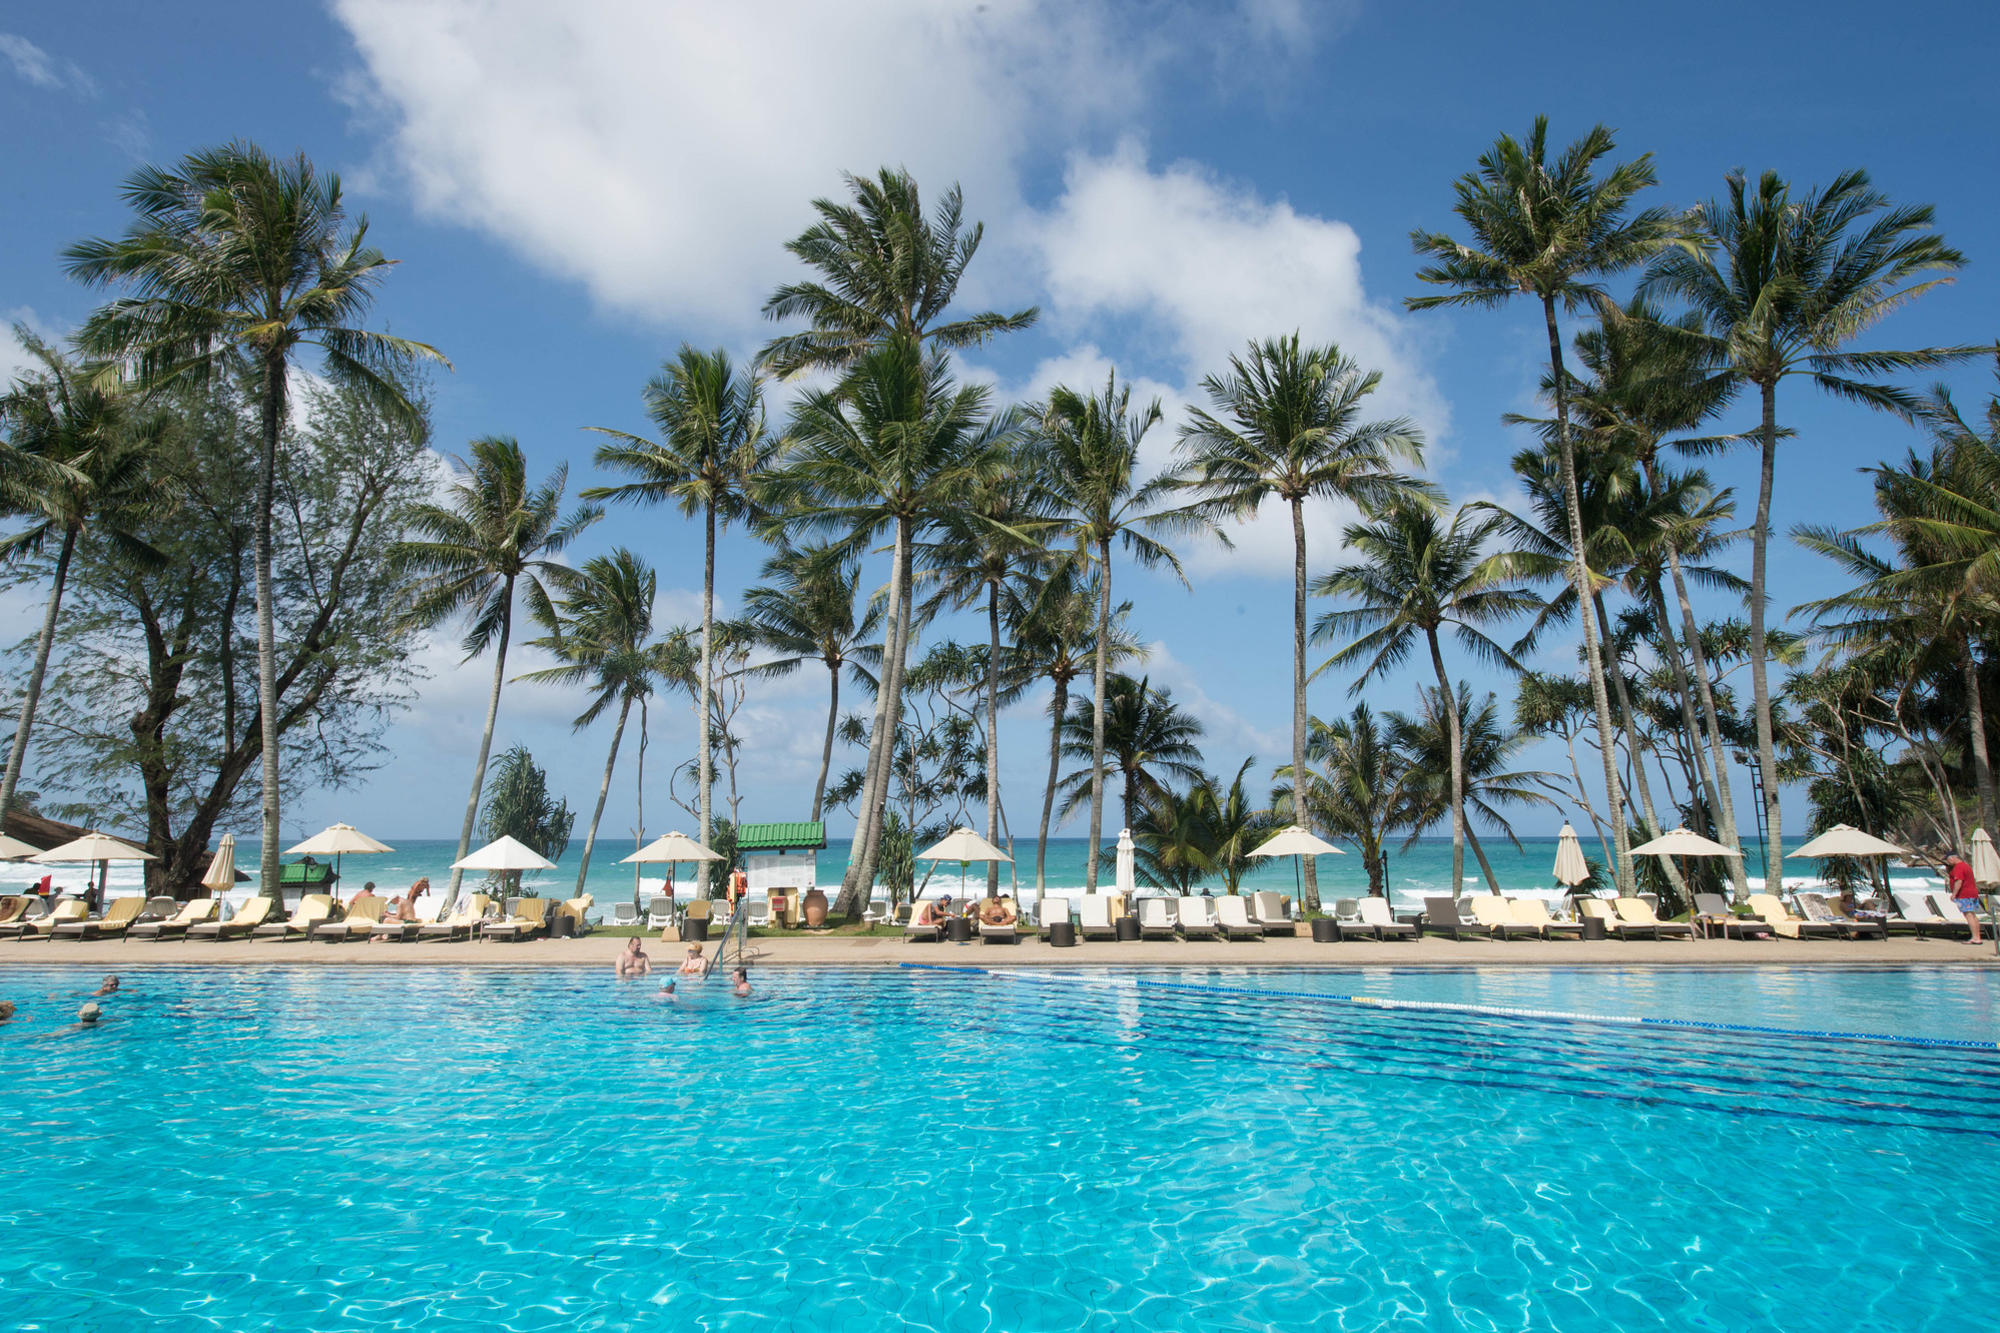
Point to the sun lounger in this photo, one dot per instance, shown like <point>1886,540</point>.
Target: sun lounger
<point>1712,914</point>
<point>531,917</point>
<point>1491,911</point>
<point>1267,909</point>
<point>1817,909</point>
<point>250,916</point>
<point>1380,922</point>
<point>1951,911</point>
<point>1614,923</point>
<point>1783,922</point>
<point>1157,918</point>
<point>1920,911</point>
<point>624,914</point>
<point>402,929</point>
<point>1008,932</point>
<point>576,911</point>
<point>11,908</point>
<point>1442,914</point>
<point>1053,911</point>
<point>660,913</point>
<point>313,908</point>
<point>67,912</point>
<point>1534,913</point>
<point>1639,912</point>
<point>925,922</point>
<point>1093,917</point>
<point>1232,916</point>
<point>1195,921</point>
<point>192,913</point>
<point>356,923</point>
<point>116,919</point>
<point>459,923</point>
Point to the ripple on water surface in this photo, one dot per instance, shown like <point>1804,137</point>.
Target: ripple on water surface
<point>428,1149</point>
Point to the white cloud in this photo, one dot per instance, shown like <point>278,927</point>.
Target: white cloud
<point>1229,736</point>
<point>36,66</point>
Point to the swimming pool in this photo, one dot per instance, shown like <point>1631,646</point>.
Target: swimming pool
<point>323,1147</point>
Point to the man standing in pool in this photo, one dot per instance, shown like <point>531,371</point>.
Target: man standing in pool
<point>633,962</point>
<point>741,987</point>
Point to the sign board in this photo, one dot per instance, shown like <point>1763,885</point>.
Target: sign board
<point>781,870</point>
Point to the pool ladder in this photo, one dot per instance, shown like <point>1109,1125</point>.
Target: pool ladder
<point>738,930</point>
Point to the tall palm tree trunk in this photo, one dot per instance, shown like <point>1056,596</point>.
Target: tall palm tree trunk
<point>603,790</point>
<point>1640,786</point>
<point>1449,696</point>
<point>639,793</point>
<point>826,749</point>
<point>855,889</point>
<point>1479,855</point>
<point>17,754</point>
<point>993,733</point>
<point>1725,806</point>
<point>707,709</point>
<point>1982,767</point>
<point>267,636</point>
<point>1697,742</point>
<point>1309,883</point>
<point>1760,685</point>
<point>1058,706</point>
<point>1593,659</point>
<point>486,737</point>
<point>1097,720</point>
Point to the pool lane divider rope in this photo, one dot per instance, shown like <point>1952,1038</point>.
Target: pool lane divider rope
<point>1480,1010</point>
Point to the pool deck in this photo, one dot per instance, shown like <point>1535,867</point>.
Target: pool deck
<point>880,951</point>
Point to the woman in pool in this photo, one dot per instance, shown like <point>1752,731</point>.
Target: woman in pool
<point>694,965</point>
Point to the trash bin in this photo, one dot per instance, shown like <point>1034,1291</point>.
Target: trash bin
<point>1127,927</point>
<point>695,928</point>
<point>958,930</point>
<point>1593,928</point>
<point>1324,930</point>
<point>1062,935</point>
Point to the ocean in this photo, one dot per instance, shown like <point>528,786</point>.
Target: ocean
<point>1424,869</point>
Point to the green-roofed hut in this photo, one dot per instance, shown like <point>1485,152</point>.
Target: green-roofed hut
<point>782,859</point>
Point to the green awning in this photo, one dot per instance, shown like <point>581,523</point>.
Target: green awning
<point>792,835</point>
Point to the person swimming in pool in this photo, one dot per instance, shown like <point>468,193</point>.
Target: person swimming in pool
<point>108,986</point>
<point>740,983</point>
<point>633,962</point>
<point>6,1010</point>
<point>694,965</point>
<point>89,1014</point>
<point>667,994</point>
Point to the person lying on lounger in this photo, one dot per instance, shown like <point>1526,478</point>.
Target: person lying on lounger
<point>633,962</point>
<point>996,912</point>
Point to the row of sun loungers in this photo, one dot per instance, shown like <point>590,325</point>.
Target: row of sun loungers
<point>317,917</point>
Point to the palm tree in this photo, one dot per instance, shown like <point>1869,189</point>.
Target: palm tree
<point>600,628</point>
<point>711,450</point>
<point>1145,735</point>
<point>1551,230</point>
<point>1418,574</point>
<point>236,257</point>
<point>806,613</point>
<point>77,463</point>
<point>1089,463</point>
<point>986,545</point>
<point>1355,788</point>
<point>1054,628</point>
<point>1487,750</point>
<point>895,445</point>
<point>885,271</point>
<point>1781,286</point>
<point>1288,427</point>
<point>490,534</point>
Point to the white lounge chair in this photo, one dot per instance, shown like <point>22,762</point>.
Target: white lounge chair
<point>624,914</point>
<point>1534,912</point>
<point>1157,918</point>
<point>1232,915</point>
<point>1093,914</point>
<point>1376,916</point>
<point>1195,917</point>
<point>1491,911</point>
<point>659,912</point>
<point>923,923</point>
<point>1639,912</point>
<point>1267,909</point>
<point>1053,911</point>
<point>1918,909</point>
<point>760,911</point>
<point>1008,933</point>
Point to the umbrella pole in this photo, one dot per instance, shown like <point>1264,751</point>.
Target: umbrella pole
<point>1298,882</point>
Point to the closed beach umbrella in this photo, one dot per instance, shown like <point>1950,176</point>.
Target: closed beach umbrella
<point>1295,841</point>
<point>1571,869</point>
<point>1985,860</point>
<point>13,849</point>
<point>98,848</point>
<point>335,840</point>
<point>963,845</point>
<point>221,876</point>
<point>1127,876</point>
<point>507,856</point>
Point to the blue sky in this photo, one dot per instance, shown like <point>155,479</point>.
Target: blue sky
<point>572,194</point>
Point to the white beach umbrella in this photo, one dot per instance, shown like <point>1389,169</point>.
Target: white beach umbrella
<point>669,849</point>
<point>507,856</point>
<point>335,840</point>
<point>1570,869</point>
<point>1295,841</point>
<point>13,849</point>
<point>1985,861</point>
<point>1683,843</point>
<point>963,845</point>
<point>97,848</point>
<point>1127,875</point>
<point>221,875</point>
<point>1845,840</point>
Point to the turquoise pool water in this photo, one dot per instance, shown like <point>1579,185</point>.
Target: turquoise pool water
<point>330,1148</point>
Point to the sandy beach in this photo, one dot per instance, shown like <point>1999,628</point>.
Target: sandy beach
<point>889,951</point>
